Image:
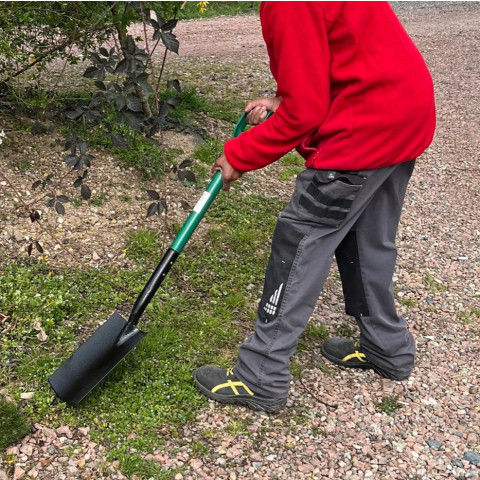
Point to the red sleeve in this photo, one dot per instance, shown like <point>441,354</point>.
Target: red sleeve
<point>297,44</point>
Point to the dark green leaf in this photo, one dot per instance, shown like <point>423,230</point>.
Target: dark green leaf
<point>190,176</point>
<point>170,25</point>
<point>120,102</point>
<point>152,209</point>
<point>130,45</point>
<point>82,146</point>
<point>71,160</point>
<point>119,141</point>
<point>74,114</point>
<point>29,249</point>
<point>78,182</point>
<point>175,84</point>
<point>174,101</point>
<point>85,192</point>
<point>91,72</point>
<point>63,198</point>
<point>34,215</point>
<point>164,111</point>
<point>145,87</point>
<point>121,67</point>
<point>103,51</point>
<point>101,86</point>
<point>185,205</point>
<point>185,164</point>
<point>134,104</point>
<point>153,195</point>
<point>59,208</point>
<point>134,121</point>
<point>38,247</point>
<point>129,87</point>
<point>141,57</point>
<point>95,58</point>
<point>170,41</point>
<point>101,74</point>
<point>36,184</point>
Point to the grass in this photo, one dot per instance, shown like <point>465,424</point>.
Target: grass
<point>389,404</point>
<point>213,9</point>
<point>13,425</point>
<point>199,315</point>
<point>195,317</point>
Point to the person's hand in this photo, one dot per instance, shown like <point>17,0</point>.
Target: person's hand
<point>257,109</point>
<point>229,174</point>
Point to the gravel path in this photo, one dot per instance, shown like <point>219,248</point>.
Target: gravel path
<point>341,424</point>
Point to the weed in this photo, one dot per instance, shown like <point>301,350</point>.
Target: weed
<point>469,317</point>
<point>327,369</point>
<point>389,404</point>
<point>200,449</point>
<point>235,428</point>
<point>134,464</point>
<point>99,201</point>
<point>434,285</point>
<point>208,151</point>
<point>296,369</point>
<point>316,331</point>
<point>142,244</point>
<point>317,431</point>
<point>293,164</point>
<point>13,425</point>
<point>289,172</point>
<point>407,302</point>
<point>214,9</point>
<point>345,331</point>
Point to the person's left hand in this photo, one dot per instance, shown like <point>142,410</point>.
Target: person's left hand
<point>229,174</point>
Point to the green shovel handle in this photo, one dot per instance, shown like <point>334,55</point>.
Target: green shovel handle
<point>206,199</point>
<point>175,248</point>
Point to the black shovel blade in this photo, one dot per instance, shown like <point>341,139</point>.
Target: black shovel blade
<point>93,360</point>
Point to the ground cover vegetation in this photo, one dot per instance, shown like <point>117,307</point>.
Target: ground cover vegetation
<point>120,104</point>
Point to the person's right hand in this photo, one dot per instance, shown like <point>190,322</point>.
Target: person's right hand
<point>257,109</point>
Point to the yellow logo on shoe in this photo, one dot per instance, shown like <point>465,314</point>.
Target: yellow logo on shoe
<point>358,355</point>
<point>232,385</point>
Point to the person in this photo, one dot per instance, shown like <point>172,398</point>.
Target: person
<point>355,98</point>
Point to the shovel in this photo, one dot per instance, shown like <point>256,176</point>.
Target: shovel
<point>113,340</point>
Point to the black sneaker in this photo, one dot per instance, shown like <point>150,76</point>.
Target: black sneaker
<point>221,385</point>
<point>348,353</point>
<point>345,352</point>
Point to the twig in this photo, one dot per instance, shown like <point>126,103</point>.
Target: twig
<point>318,399</point>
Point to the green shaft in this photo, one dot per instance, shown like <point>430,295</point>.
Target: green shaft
<point>197,214</point>
<point>206,199</point>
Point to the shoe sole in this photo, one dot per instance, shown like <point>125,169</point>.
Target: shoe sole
<point>255,403</point>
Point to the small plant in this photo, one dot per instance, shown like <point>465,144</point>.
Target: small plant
<point>289,172</point>
<point>200,449</point>
<point>434,285</point>
<point>13,425</point>
<point>389,404</point>
<point>316,331</point>
<point>345,331</point>
<point>234,428</point>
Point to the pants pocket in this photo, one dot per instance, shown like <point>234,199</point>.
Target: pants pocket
<point>329,196</point>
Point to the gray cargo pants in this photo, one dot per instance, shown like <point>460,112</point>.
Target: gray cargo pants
<point>354,216</point>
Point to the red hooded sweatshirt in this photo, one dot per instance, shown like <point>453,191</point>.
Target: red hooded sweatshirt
<point>356,91</point>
